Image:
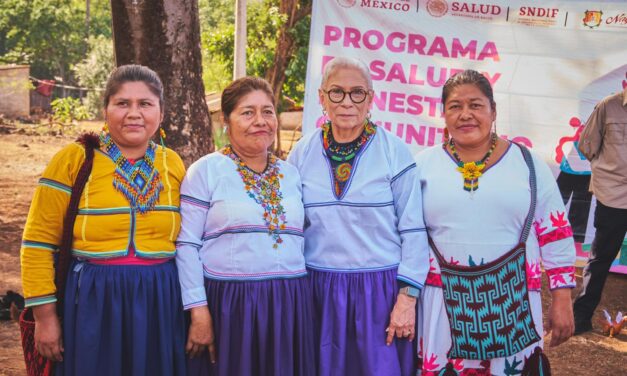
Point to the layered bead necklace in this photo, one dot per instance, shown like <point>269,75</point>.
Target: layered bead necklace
<point>265,189</point>
<point>471,171</point>
<point>342,156</point>
<point>139,182</point>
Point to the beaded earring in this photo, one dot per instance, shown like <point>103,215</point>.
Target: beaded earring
<point>162,136</point>
<point>369,115</point>
<point>445,135</point>
<point>105,128</point>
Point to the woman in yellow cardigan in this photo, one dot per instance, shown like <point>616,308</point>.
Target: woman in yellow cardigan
<point>122,309</point>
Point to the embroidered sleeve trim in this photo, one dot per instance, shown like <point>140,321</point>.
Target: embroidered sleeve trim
<point>39,245</point>
<point>413,230</point>
<point>410,281</point>
<point>403,171</point>
<point>180,243</point>
<point>561,277</point>
<point>39,300</point>
<point>195,304</point>
<point>55,185</point>
<point>555,235</point>
<point>194,201</point>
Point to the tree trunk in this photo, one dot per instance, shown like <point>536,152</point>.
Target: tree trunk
<point>165,36</point>
<point>285,49</point>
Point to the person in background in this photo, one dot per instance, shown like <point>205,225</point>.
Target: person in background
<point>493,213</point>
<point>604,142</point>
<point>365,241</point>
<point>240,250</point>
<point>122,311</point>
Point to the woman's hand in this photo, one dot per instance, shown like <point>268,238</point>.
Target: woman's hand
<point>560,322</point>
<point>402,319</point>
<point>201,334</point>
<point>48,338</point>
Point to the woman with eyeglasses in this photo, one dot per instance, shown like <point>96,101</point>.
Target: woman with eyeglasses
<point>365,242</point>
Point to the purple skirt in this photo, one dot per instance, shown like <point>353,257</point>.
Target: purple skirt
<point>261,328</point>
<point>352,312</point>
<point>123,320</point>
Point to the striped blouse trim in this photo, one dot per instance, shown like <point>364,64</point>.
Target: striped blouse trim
<point>250,229</point>
<point>39,300</point>
<point>155,255</point>
<point>410,281</point>
<point>195,304</point>
<point>353,204</point>
<point>213,274</point>
<point>120,253</point>
<point>96,255</point>
<point>40,245</point>
<point>55,185</point>
<point>181,242</point>
<point>420,229</point>
<point>355,270</point>
<point>403,171</point>
<point>124,210</point>
<point>195,202</point>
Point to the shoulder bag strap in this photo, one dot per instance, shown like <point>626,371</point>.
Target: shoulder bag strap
<point>534,192</point>
<point>90,141</point>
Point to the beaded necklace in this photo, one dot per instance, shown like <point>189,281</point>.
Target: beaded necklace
<point>342,155</point>
<point>471,171</point>
<point>265,189</point>
<point>139,182</point>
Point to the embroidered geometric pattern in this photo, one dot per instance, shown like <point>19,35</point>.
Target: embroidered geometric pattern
<point>343,157</point>
<point>139,182</point>
<point>488,309</point>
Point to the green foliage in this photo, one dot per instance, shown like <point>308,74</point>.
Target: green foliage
<point>67,110</point>
<point>220,138</point>
<point>49,34</point>
<point>92,72</point>
<point>263,24</point>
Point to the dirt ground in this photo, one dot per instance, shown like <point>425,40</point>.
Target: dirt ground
<point>24,154</point>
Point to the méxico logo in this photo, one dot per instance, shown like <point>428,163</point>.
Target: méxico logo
<point>347,3</point>
<point>437,8</point>
<point>592,18</point>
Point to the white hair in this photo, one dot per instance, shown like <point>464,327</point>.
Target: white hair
<point>346,62</point>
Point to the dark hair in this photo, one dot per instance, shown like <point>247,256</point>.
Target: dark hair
<point>240,87</point>
<point>133,73</point>
<point>468,77</point>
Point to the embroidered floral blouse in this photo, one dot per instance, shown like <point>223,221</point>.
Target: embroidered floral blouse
<point>472,231</point>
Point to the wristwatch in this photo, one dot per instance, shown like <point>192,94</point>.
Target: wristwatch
<point>410,291</point>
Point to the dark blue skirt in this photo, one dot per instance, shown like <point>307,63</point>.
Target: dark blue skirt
<point>123,320</point>
<point>262,328</point>
<point>352,312</point>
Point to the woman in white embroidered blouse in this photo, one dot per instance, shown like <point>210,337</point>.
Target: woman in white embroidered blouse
<point>240,249</point>
<point>492,211</point>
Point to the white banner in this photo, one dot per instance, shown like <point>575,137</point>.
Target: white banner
<point>549,63</point>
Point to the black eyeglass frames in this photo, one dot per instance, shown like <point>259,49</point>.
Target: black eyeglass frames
<point>337,95</point>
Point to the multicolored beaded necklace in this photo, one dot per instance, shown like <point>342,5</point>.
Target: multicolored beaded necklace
<point>342,155</point>
<point>139,182</point>
<point>471,171</point>
<point>265,189</point>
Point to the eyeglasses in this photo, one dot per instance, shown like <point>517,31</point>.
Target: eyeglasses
<point>337,95</point>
